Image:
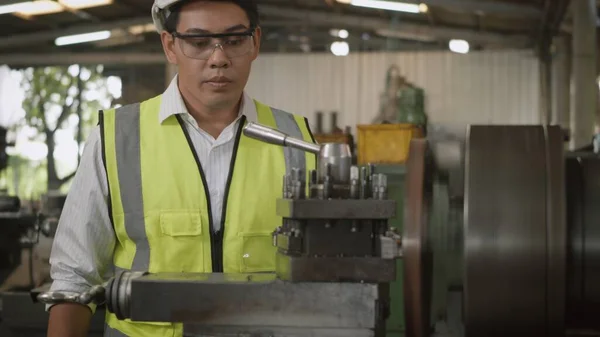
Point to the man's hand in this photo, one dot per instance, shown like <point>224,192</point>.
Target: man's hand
<point>69,320</point>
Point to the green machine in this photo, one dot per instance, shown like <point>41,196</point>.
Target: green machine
<point>443,265</point>
<point>395,178</point>
<point>402,101</point>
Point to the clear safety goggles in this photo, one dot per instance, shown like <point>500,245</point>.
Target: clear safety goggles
<point>202,46</point>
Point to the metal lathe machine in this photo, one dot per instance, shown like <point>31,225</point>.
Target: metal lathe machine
<point>505,219</point>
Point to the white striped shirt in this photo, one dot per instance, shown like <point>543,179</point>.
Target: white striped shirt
<point>82,252</point>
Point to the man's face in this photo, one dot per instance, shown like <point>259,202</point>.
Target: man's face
<point>214,76</point>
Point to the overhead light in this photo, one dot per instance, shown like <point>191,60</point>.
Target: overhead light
<point>340,48</point>
<point>341,33</point>
<point>41,7</point>
<point>388,5</point>
<point>459,46</point>
<point>32,8</point>
<point>82,38</point>
<point>80,4</point>
<point>5,9</point>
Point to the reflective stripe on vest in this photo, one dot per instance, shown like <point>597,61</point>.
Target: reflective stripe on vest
<point>110,332</point>
<point>162,216</point>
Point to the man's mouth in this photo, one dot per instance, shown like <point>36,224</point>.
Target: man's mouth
<point>218,81</point>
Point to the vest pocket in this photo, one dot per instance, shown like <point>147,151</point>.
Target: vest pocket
<point>180,223</point>
<point>258,252</point>
<point>179,247</point>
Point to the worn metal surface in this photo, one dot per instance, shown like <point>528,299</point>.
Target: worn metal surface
<point>591,244</point>
<point>329,237</point>
<point>576,265</point>
<point>417,265</point>
<point>505,232</point>
<point>583,306</point>
<point>556,222</point>
<point>254,300</point>
<point>336,209</point>
<point>335,269</point>
<point>511,233</point>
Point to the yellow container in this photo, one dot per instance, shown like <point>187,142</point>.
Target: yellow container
<point>332,138</point>
<point>385,143</point>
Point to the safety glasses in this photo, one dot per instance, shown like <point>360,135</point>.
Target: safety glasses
<point>201,46</point>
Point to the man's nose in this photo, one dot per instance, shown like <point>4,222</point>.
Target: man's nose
<point>218,59</point>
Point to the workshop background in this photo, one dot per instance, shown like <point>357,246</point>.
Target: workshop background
<point>373,74</point>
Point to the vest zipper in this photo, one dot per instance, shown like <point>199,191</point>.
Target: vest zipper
<point>236,144</point>
<point>216,238</point>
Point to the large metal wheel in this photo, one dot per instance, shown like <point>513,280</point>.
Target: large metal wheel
<point>514,232</point>
<point>417,263</point>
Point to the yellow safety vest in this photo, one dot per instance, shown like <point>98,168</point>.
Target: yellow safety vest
<point>160,204</point>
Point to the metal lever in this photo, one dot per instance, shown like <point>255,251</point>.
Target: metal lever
<point>273,136</point>
<point>96,295</point>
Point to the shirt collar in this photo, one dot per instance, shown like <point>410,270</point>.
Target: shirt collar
<point>172,104</point>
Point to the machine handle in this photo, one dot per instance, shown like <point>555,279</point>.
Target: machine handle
<point>96,295</point>
<point>273,136</point>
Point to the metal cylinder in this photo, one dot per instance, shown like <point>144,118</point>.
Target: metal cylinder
<point>272,136</point>
<point>514,250</point>
<point>512,240</point>
<point>319,128</point>
<point>118,293</point>
<point>336,155</point>
<point>339,158</point>
<point>333,125</point>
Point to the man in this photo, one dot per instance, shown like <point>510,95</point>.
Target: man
<point>172,184</point>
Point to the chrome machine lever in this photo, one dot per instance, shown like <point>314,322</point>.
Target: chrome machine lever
<point>95,295</point>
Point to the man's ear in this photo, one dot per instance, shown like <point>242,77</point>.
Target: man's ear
<point>256,37</point>
<point>168,43</point>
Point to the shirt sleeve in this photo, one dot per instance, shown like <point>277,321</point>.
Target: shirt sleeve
<point>83,246</point>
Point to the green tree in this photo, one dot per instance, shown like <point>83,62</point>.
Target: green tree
<point>56,96</point>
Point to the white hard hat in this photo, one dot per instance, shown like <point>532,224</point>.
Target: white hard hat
<point>157,16</point>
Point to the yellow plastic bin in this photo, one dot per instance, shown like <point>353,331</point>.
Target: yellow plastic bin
<point>332,138</point>
<point>385,143</point>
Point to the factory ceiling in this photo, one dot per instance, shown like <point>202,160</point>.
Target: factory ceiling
<point>288,26</point>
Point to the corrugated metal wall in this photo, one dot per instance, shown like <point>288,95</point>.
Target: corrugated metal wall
<point>480,87</point>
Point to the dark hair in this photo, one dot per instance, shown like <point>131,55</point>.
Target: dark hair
<point>249,6</point>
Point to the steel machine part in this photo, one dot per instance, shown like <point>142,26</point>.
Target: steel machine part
<point>524,239</point>
<point>335,258</point>
<point>417,299</point>
<point>515,232</point>
<point>583,263</point>
<point>240,304</point>
<point>338,232</point>
<point>334,160</point>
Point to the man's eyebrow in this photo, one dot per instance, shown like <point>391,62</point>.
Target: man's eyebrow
<point>236,27</point>
<point>228,30</point>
